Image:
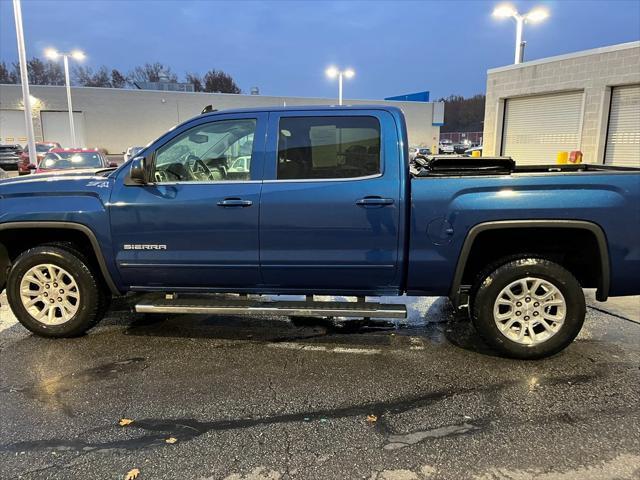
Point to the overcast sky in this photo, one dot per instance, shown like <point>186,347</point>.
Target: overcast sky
<point>284,47</point>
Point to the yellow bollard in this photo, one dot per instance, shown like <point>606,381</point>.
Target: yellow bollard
<point>476,153</point>
<point>563,157</point>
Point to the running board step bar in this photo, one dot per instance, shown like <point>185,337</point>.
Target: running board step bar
<point>244,306</point>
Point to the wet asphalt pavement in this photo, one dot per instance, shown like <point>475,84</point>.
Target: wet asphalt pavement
<point>269,399</point>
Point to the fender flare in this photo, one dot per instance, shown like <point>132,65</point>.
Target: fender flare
<point>95,245</point>
<point>602,292</point>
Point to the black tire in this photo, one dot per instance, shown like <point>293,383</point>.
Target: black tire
<point>488,287</point>
<point>92,301</point>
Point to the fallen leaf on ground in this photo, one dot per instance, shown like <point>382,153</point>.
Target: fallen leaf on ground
<point>372,418</point>
<point>171,440</point>
<point>124,422</point>
<point>132,474</point>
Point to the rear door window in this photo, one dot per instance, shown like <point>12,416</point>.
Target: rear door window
<point>328,147</point>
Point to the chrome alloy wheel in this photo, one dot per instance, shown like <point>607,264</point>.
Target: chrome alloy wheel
<point>529,311</point>
<point>49,294</point>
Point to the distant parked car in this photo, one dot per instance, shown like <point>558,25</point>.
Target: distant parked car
<point>24,167</point>
<point>462,146</point>
<point>445,146</point>
<point>10,156</point>
<point>132,152</point>
<point>73,159</point>
<point>423,152</point>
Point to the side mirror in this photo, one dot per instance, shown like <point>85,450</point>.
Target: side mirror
<point>138,171</point>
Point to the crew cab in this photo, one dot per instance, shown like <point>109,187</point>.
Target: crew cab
<point>320,201</point>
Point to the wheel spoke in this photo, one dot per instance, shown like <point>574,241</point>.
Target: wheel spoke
<point>32,302</point>
<point>545,325</point>
<point>42,278</point>
<point>501,317</point>
<point>507,326</point>
<point>535,287</point>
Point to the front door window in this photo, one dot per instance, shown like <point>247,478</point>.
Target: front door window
<point>210,152</point>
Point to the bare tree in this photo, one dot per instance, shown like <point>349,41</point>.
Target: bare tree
<point>151,72</point>
<point>195,80</point>
<point>86,77</point>
<point>40,73</point>
<point>117,79</point>
<point>217,81</point>
<point>7,75</point>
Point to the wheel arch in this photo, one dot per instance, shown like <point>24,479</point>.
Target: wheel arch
<point>604,277</point>
<point>5,258</point>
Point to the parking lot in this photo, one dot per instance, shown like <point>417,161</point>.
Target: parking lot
<point>242,398</point>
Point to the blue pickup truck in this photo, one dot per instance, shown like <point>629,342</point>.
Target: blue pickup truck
<point>320,201</point>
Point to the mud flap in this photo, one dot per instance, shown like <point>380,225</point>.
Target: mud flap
<point>5,265</point>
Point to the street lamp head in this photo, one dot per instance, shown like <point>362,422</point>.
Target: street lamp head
<point>78,54</point>
<point>537,15</point>
<point>51,53</point>
<point>504,11</point>
<point>349,73</point>
<point>332,72</point>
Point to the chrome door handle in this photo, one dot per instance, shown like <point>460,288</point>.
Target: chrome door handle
<point>235,202</point>
<point>374,202</point>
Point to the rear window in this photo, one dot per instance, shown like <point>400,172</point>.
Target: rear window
<point>328,147</point>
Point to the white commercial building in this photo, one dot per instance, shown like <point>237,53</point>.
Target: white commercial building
<point>587,101</point>
<point>115,119</point>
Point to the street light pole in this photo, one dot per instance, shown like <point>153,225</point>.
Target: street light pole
<point>78,55</point>
<point>519,56</point>
<point>24,76</point>
<point>333,72</point>
<point>69,104</point>
<point>535,15</point>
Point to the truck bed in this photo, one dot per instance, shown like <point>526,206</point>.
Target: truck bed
<point>449,165</point>
<point>604,197</point>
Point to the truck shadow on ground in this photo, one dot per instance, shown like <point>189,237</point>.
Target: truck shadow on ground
<point>450,327</point>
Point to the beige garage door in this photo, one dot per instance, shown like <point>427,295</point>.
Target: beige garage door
<point>536,128</point>
<point>623,135</point>
<point>55,128</point>
<point>12,127</point>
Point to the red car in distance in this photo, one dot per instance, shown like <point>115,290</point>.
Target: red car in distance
<point>81,159</point>
<point>41,150</point>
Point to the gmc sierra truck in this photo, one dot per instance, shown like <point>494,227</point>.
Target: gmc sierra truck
<point>320,201</point>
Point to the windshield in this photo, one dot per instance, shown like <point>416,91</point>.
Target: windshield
<point>64,160</point>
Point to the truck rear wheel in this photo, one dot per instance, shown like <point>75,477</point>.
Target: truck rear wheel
<point>528,308</point>
<point>54,293</point>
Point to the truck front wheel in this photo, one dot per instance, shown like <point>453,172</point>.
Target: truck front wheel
<point>54,292</point>
<point>528,308</point>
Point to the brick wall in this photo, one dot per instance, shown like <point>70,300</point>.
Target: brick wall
<point>593,71</point>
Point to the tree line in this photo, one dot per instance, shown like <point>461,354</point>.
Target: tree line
<point>52,73</point>
<point>463,114</point>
